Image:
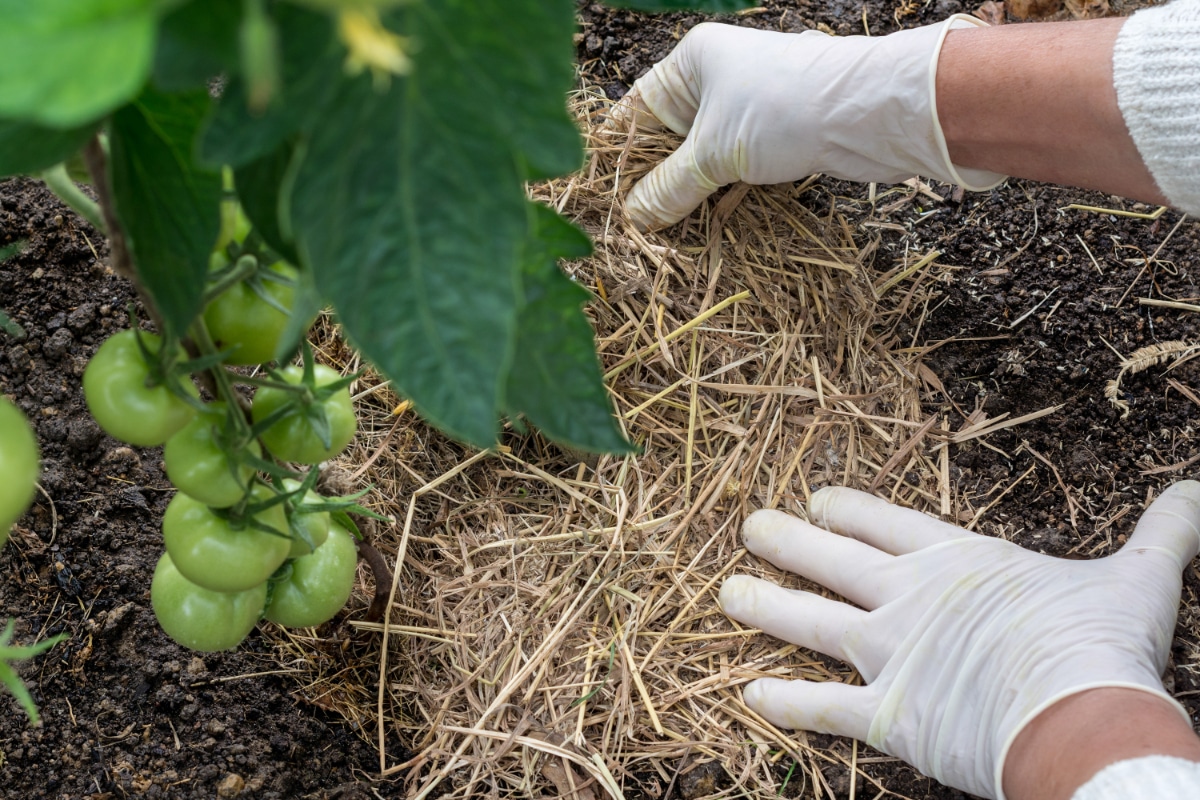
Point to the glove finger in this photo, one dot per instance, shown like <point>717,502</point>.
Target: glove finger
<point>828,707</point>
<point>670,192</point>
<point>877,522</point>
<point>670,90</point>
<point>853,569</point>
<point>631,111</point>
<point>802,618</point>
<point>1172,523</point>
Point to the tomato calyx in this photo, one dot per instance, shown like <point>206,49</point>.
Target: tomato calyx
<point>256,271</point>
<point>228,274</point>
<point>307,399</point>
<point>259,280</point>
<point>303,500</point>
<point>245,514</point>
<point>167,364</point>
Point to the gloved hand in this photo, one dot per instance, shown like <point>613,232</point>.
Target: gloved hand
<point>766,107</point>
<point>966,638</point>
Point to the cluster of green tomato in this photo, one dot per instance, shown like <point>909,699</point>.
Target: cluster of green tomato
<point>245,536</point>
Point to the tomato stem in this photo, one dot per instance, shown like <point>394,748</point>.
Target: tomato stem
<point>59,182</point>
<point>242,269</point>
<point>222,379</point>
<point>267,383</point>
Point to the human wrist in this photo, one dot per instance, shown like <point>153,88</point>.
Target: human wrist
<point>1037,101</point>
<point>1068,743</point>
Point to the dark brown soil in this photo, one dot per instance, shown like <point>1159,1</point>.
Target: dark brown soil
<point>126,712</point>
<point>1029,321</point>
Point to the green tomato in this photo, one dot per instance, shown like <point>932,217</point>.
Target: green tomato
<point>240,320</point>
<point>116,387</point>
<point>314,524</point>
<point>198,466</point>
<point>211,552</point>
<point>320,584</point>
<point>199,618</point>
<point>293,438</point>
<point>18,466</point>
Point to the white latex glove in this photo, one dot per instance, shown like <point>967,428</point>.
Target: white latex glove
<point>966,638</point>
<point>766,107</point>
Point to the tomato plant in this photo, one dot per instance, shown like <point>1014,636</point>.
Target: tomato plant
<point>319,584</point>
<point>199,618</point>
<point>220,551</point>
<point>202,459</point>
<point>18,466</point>
<point>127,398</point>
<point>315,428</point>
<point>360,155</point>
<point>348,143</point>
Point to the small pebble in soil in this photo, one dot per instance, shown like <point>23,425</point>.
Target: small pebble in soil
<point>231,785</point>
<point>58,343</point>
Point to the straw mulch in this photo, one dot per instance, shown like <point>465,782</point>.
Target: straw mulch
<point>554,629</point>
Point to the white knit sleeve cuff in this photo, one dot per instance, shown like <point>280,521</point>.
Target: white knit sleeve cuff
<point>1156,72</point>
<point>1148,778</point>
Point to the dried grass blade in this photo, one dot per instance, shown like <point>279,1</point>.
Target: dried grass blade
<point>993,426</point>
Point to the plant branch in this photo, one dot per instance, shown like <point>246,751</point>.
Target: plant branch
<point>65,189</point>
<point>238,273</point>
<point>217,381</point>
<point>379,568</point>
<point>97,166</point>
<point>120,260</point>
<point>267,383</point>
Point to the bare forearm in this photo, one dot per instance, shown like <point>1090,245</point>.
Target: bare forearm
<point>1077,737</point>
<point>1037,101</point>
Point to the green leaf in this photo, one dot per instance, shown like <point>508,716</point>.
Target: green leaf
<point>16,687</point>
<point>9,677</point>
<point>552,238</point>
<point>306,304</point>
<point>262,187</point>
<point>11,250</point>
<point>410,208</point>
<point>197,42</point>
<point>310,72</point>
<point>711,6</point>
<point>11,328</point>
<point>343,519</point>
<point>556,380</point>
<point>64,63</point>
<point>168,206</point>
<point>7,325</point>
<point>318,420</point>
<point>524,63</point>
<point>26,148</point>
